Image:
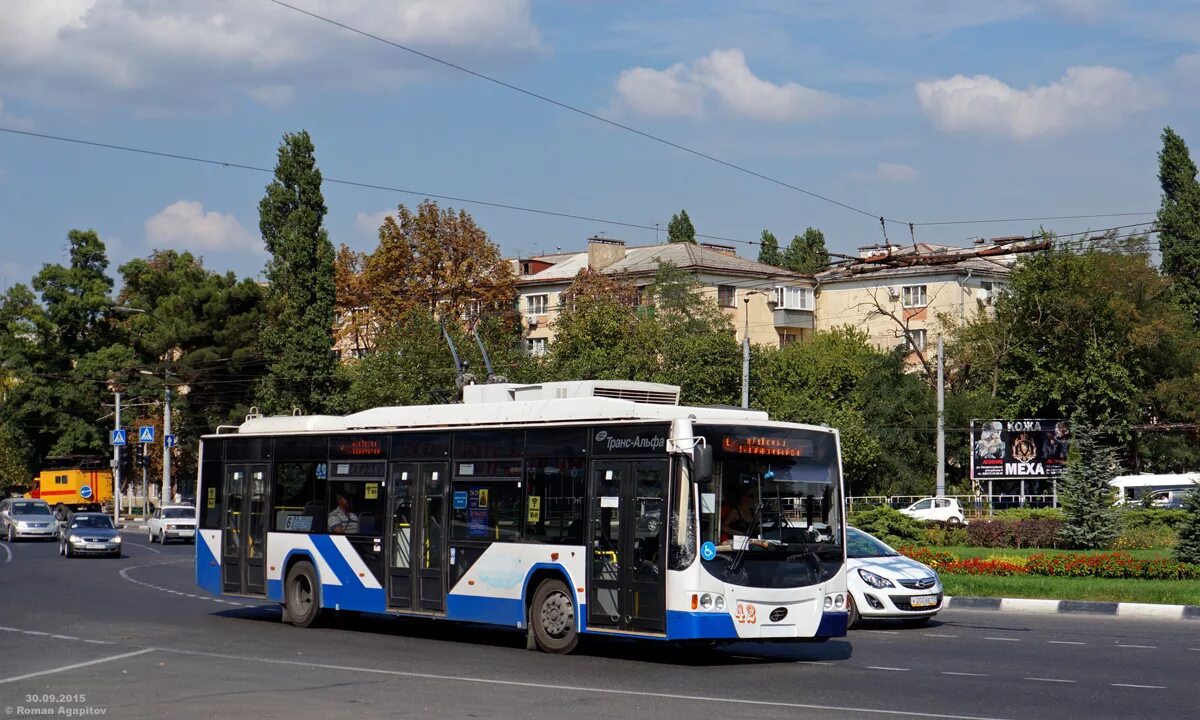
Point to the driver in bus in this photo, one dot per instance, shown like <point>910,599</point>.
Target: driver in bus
<point>341,520</point>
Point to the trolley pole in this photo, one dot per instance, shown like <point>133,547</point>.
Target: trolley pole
<point>746,355</point>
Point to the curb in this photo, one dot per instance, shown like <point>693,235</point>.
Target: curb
<point>1145,611</point>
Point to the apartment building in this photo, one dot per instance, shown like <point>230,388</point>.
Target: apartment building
<point>896,294</point>
<point>772,305</point>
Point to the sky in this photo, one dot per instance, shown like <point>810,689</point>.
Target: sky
<point>918,110</point>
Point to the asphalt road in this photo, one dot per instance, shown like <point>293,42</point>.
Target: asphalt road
<point>134,638</point>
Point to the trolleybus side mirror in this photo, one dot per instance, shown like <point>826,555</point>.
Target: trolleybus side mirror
<point>702,464</point>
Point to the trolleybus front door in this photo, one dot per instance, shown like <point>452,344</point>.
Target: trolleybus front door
<point>244,530</point>
<point>627,547</point>
<point>417,539</point>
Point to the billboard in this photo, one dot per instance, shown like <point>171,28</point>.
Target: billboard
<point>1016,449</point>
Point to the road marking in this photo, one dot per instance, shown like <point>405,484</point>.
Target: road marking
<point>964,674</point>
<point>63,637</point>
<point>807,662</point>
<point>939,636</point>
<point>884,632</point>
<point>1065,642</point>
<point>1140,687</point>
<point>1053,680</point>
<point>7,553</point>
<point>556,688</point>
<point>1144,647</point>
<point>889,669</point>
<point>1003,639</point>
<point>76,666</point>
<point>123,572</point>
<point>145,547</point>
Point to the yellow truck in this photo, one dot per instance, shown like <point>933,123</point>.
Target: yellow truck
<point>74,484</point>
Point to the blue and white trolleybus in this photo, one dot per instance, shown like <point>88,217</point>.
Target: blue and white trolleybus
<point>598,507</point>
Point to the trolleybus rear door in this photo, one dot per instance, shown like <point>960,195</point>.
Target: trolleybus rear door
<point>244,530</point>
<point>626,576</point>
<point>417,540</point>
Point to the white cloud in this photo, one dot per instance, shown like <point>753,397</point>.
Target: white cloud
<point>722,77</point>
<point>184,225</point>
<point>368,224</point>
<point>193,51</point>
<point>1090,96</point>
<point>896,173</point>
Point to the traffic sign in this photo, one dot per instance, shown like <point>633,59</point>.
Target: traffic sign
<point>169,441</point>
<point>85,492</point>
<point>146,434</point>
<point>117,437</point>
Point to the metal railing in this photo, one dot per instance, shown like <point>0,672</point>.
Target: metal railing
<point>972,506</point>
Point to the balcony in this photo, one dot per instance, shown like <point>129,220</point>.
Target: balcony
<point>793,319</point>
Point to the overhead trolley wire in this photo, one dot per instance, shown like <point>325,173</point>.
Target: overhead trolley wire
<point>664,141</point>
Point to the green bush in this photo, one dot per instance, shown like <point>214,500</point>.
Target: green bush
<point>1136,517</point>
<point>944,535</point>
<point>1145,537</point>
<point>1032,514</point>
<point>890,526</point>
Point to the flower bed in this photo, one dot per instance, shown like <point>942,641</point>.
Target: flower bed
<point>1115,565</point>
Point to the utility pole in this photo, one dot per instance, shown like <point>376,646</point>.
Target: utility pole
<point>941,423</point>
<point>143,461</point>
<point>116,468</point>
<point>746,355</point>
<point>166,460</point>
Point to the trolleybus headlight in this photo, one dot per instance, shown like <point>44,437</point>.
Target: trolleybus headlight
<point>706,601</point>
<point>828,602</point>
<point>839,601</point>
<point>719,603</point>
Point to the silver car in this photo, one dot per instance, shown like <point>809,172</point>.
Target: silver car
<point>89,534</point>
<point>25,518</point>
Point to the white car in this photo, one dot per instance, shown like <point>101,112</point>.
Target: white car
<point>937,508</point>
<point>172,522</point>
<point>885,584</point>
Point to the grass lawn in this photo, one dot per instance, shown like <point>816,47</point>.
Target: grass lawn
<point>1168,592</point>
<point>964,551</point>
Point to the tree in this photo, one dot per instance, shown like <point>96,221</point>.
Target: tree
<point>600,334</point>
<point>1085,493</point>
<point>1093,333</point>
<point>697,349</point>
<point>1187,546</point>
<point>15,471</point>
<point>680,229</point>
<point>441,261</point>
<point>807,253</point>
<point>1179,221</point>
<point>356,324</point>
<point>200,326</point>
<point>768,250</point>
<point>297,337</point>
<point>837,378</point>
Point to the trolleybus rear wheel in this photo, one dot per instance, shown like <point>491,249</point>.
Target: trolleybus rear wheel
<point>552,618</point>
<point>303,595</point>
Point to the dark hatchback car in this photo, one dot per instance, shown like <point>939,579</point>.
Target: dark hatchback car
<point>89,534</point>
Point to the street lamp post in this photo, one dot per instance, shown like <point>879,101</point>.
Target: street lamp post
<point>771,304</point>
<point>166,451</point>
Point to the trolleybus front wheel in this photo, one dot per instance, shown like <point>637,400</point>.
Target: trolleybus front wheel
<point>552,618</point>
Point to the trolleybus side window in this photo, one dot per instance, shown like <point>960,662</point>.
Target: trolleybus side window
<point>556,486</point>
<point>212,490</point>
<point>299,497</point>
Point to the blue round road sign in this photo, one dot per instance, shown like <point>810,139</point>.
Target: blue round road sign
<point>85,492</point>
<point>708,551</point>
